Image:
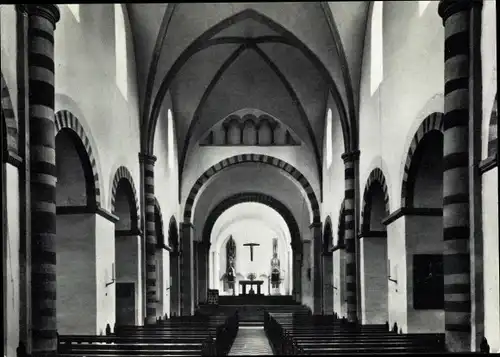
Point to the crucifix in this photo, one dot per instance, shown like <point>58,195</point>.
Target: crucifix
<point>251,245</point>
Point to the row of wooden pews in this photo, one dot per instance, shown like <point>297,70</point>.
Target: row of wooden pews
<point>302,334</point>
<point>178,336</point>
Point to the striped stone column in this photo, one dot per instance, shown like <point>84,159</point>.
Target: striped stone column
<point>297,272</point>
<point>317,270</point>
<point>350,241</point>
<point>147,163</point>
<point>187,269</point>
<point>456,222</point>
<point>42,22</point>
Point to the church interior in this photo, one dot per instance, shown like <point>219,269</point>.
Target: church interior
<point>203,179</point>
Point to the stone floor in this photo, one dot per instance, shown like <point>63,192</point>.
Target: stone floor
<point>251,341</point>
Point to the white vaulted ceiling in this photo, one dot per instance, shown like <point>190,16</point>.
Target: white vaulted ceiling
<point>217,58</point>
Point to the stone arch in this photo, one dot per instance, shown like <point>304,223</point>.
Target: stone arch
<point>256,197</point>
<point>11,141</point>
<point>376,176</point>
<point>173,234</point>
<point>122,173</point>
<point>327,236</point>
<point>66,120</point>
<point>493,130</point>
<point>431,122</point>
<point>256,158</point>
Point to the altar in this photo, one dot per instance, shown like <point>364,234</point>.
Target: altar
<point>244,283</point>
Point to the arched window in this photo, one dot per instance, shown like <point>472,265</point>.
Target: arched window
<point>121,51</point>
<point>422,5</point>
<point>329,147</point>
<point>170,139</point>
<point>75,10</point>
<point>377,57</point>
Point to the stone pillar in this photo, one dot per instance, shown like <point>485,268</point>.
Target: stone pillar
<point>147,163</point>
<point>327,264</point>
<point>350,161</point>
<point>196,278</point>
<point>187,296</point>
<point>456,16</point>
<point>317,242</point>
<point>202,271</point>
<point>307,274</point>
<point>174,284</point>
<point>42,22</point>
<point>297,274</point>
<point>339,283</point>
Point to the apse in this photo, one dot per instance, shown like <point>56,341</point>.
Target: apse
<point>251,241</point>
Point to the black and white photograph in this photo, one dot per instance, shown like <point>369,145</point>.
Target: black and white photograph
<point>239,179</point>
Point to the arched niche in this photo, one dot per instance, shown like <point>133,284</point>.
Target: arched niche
<point>249,135</point>
<point>75,181</point>
<point>233,131</point>
<point>128,250</point>
<point>424,247</point>
<point>76,246</point>
<point>265,132</point>
<point>254,129</point>
<point>373,251</point>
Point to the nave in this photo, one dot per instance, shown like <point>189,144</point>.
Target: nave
<point>240,178</point>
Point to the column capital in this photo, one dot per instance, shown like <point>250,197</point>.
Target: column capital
<point>350,156</point>
<point>147,158</point>
<point>446,8</point>
<point>49,11</point>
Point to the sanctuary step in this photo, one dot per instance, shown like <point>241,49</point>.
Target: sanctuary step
<point>302,334</point>
<point>253,312</point>
<point>257,300</point>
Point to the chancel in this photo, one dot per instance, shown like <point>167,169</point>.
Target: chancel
<point>250,178</point>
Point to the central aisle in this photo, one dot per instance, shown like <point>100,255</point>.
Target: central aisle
<point>251,341</point>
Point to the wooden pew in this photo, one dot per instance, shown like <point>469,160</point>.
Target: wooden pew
<point>208,337</point>
<point>324,335</point>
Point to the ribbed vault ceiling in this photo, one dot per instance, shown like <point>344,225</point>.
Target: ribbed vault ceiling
<point>217,58</point>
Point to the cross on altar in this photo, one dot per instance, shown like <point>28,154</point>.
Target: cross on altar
<point>251,245</point>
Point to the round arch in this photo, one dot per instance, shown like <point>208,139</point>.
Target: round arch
<point>431,122</point>
<point>376,177</point>
<point>327,236</point>
<point>66,120</point>
<point>122,173</point>
<point>256,197</point>
<point>9,117</point>
<point>257,158</point>
<point>205,40</point>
